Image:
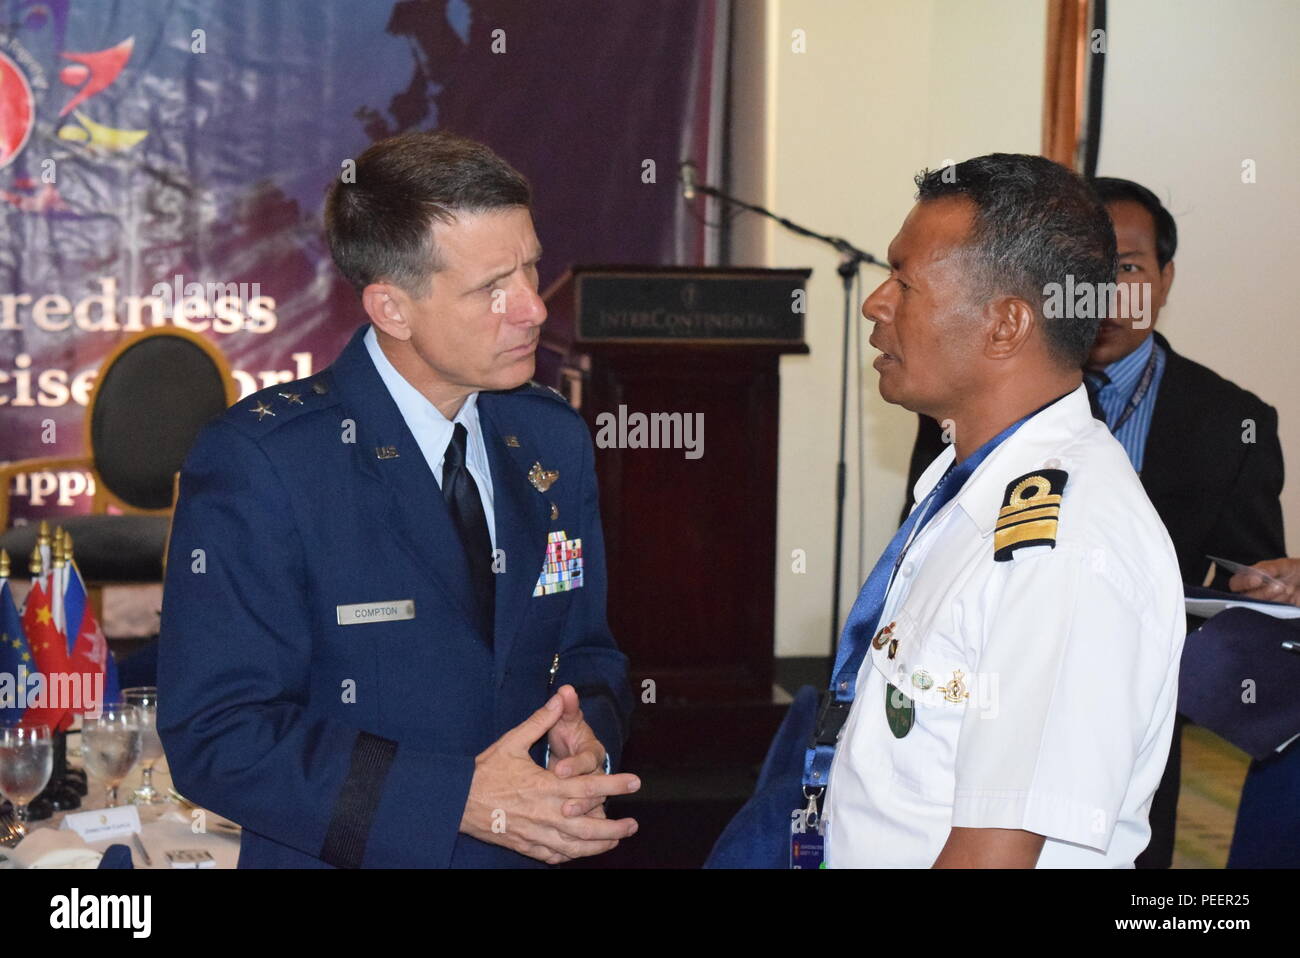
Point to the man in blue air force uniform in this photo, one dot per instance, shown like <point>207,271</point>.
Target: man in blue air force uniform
<point>384,640</point>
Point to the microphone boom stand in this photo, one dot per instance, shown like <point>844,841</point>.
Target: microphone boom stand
<point>851,258</point>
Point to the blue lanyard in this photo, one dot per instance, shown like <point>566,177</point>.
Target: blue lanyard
<point>855,640</point>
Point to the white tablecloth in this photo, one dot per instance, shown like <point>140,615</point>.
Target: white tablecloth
<point>163,827</point>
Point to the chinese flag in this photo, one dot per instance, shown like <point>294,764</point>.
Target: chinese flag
<point>49,648</point>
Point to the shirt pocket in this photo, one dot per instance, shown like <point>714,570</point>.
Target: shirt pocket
<point>930,669</point>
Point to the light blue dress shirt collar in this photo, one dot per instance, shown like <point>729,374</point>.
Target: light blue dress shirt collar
<point>1125,375</point>
<point>1125,372</point>
<point>433,431</point>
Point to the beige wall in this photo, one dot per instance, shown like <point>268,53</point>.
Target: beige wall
<point>884,89</point>
<point>1194,88</point>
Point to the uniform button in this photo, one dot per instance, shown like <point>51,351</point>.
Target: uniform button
<point>908,568</point>
<point>1052,464</point>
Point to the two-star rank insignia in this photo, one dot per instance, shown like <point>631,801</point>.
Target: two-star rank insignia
<point>1029,513</point>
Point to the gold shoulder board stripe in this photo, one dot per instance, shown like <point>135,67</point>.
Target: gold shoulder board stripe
<point>1029,513</point>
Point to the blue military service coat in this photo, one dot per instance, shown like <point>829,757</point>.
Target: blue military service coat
<point>353,745</point>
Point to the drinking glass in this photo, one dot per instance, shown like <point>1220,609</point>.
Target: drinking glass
<point>111,745</point>
<point>26,760</point>
<point>145,698</point>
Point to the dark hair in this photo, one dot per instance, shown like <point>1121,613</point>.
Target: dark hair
<point>1112,189</point>
<point>379,222</point>
<point>1036,223</point>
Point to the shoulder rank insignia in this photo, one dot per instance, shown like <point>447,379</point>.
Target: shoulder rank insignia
<point>1029,513</point>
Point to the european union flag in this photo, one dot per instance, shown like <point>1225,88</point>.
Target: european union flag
<point>15,658</point>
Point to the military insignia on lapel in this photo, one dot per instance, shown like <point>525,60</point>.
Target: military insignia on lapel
<point>542,479</point>
<point>1029,513</point>
<point>385,452</point>
<point>512,441</point>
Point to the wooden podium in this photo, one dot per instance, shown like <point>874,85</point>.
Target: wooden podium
<point>690,533</point>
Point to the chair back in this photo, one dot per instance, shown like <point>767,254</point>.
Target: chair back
<point>153,395</point>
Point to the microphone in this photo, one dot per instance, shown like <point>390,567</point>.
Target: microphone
<point>686,172</point>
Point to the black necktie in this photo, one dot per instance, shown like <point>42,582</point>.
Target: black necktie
<point>462,498</point>
<point>1093,381</point>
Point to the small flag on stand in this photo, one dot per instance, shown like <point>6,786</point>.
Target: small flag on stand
<point>88,651</point>
<point>16,660</point>
<point>48,646</point>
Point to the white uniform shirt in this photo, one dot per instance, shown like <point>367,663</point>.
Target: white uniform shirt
<point>1069,655</point>
<point>433,431</point>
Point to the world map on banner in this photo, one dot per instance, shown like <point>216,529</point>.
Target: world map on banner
<point>164,162</point>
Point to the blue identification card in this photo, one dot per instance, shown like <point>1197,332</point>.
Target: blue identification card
<point>807,840</point>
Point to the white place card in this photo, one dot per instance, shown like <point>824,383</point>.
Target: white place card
<point>102,823</point>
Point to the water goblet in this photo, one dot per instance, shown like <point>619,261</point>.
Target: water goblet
<point>26,760</point>
<point>145,698</point>
<point>111,744</point>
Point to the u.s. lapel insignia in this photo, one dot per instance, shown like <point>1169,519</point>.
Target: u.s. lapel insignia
<point>955,691</point>
<point>262,410</point>
<point>512,441</point>
<point>385,452</point>
<point>1029,513</point>
<point>542,479</point>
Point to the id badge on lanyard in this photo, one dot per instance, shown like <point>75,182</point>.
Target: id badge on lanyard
<point>807,837</point>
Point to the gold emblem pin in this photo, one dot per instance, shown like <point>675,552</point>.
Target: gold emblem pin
<point>262,410</point>
<point>512,441</point>
<point>385,452</point>
<point>542,479</point>
<point>955,691</point>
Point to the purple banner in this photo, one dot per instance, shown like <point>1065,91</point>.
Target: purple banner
<point>166,163</point>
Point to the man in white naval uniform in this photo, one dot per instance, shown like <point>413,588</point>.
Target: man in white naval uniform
<point>1016,704</point>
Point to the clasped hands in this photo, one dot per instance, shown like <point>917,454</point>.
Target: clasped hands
<point>556,814</point>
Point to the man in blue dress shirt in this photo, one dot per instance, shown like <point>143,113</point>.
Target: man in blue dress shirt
<point>384,640</point>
